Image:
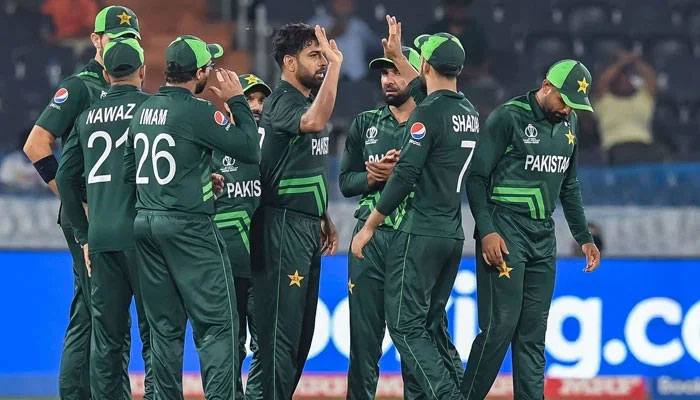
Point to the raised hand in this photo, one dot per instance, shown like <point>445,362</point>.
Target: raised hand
<point>392,44</point>
<point>329,48</point>
<point>229,84</point>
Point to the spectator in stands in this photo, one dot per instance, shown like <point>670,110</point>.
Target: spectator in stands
<point>457,21</point>
<point>71,18</point>
<point>353,36</point>
<point>624,103</point>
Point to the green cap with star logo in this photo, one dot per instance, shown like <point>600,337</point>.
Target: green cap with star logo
<point>122,56</point>
<point>250,82</point>
<point>442,51</point>
<point>191,52</point>
<point>573,80</point>
<point>117,21</point>
<point>412,56</point>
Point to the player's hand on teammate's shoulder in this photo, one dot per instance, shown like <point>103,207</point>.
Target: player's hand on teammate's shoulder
<point>329,48</point>
<point>492,249</point>
<point>590,250</point>
<point>392,43</point>
<point>229,85</point>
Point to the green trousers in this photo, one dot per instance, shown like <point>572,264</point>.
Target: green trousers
<point>513,308</point>
<point>421,271</point>
<point>114,283</point>
<point>185,273</point>
<point>286,247</point>
<point>239,254</point>
<point>367,319</point>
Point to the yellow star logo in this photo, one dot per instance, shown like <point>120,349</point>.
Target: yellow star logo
<point>504,270</point>
<point>350,286</point>
<point>570,136</point>
<point>295,279</point>
<point>124,18</point>
<point>252,79</point>
<point>582,85</point>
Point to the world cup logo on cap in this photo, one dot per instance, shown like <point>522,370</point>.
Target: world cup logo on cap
<point>418,131</point>
<point>220,118</point>
<point>61,96</point>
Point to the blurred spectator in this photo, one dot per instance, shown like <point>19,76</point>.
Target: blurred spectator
<point>597,239</point>
<point>353,35</point>
<point>16,171</point>
<point>71,18</point>
<point>624,105</point>
<point>457,21</point>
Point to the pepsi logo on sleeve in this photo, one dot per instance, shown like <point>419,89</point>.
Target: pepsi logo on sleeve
<point>220,118</point>
<point>61,96</point>
<point>417,131</point>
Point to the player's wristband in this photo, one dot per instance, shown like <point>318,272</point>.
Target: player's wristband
<point>47,167</point>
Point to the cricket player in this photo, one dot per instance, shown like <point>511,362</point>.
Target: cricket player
<point>292,229</point>
<point>74,95</point>
<point>96,145</point>
<point>184,270</point>
<point>234,209</point>
<point>371,152</point>
<point>526,159</point>
<point>425,252</point>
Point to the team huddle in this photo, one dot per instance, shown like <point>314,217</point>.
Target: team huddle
<point>219,217</point>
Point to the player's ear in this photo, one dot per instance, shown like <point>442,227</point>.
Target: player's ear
<point>290,62</point>
<point>96,41</point>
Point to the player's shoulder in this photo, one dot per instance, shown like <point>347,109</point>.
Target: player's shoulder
<point>72,85</point>
<point>368,116</point>
<point>516,105</point>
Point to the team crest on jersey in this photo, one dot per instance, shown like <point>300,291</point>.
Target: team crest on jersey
<point>220,118</point>
<point>418,131</point>
<point>371,135</point>
<point>530,135</point>
<point>61,96</point>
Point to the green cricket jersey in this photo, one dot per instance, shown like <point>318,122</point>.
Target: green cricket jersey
<point>74,95</point>
<point>241,196</point>
<point>442,133</point>
<point>372,134</point>
<point>169,149</point>
<point>294,165</point>
<point>96,148</point>
<point>524,163</point>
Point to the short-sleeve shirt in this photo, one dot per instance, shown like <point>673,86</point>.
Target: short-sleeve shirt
<point>625,119</point>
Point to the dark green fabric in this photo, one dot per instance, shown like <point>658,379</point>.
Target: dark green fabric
<point>286,247</point>
<point>246,323</point>
<point>114,283</point>
<point>188,129</point>
<point>372,134</point>
<point>94,154</point>
<point>294,165</point>
<point>83,88</point>
<point>420,273</point>
<point>513,307</point>
<point>442,132</point>
<point>525,163</point>
<point>185,274</point>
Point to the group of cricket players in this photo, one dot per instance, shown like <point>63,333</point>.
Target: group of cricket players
<point>219,217</point>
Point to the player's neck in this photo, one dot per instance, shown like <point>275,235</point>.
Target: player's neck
<point>98,58</point>
<point>435,83</point>
<point>191,85</point>
<point>402,112</point>
<point>295,82</point>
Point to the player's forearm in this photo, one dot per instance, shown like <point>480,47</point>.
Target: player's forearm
<point>316,117</point>
<point>244,140</point>
<point>69,189</point>
<point>572,204</point>
<point>353,183</point>
<point>477,194</point>
<point>417,90</point>
<point>395,191</point>
<point>405,68</point>
<point>242,115</point>
<point>375,219</point>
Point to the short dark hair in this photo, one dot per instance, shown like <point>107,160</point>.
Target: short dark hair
<point>291,39</point>
<point>175,74</point>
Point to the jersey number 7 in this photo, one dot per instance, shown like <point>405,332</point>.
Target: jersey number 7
<point>466,144</point>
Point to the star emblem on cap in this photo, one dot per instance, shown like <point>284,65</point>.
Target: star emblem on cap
<point>350,286</point>
<point>295,279</point>
<point>124,18</point>
<point>252,79</point>
<point>504,270</point>
<point>570,136</point>
<point>582,85</point>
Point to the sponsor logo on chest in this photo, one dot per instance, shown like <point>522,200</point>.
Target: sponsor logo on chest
<point>319,147</point>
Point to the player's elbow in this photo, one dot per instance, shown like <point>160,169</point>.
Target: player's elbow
<point>345,188</point>
<point>38,144</point>
<point>310,124</point>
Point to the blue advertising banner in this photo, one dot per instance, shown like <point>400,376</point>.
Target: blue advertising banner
<point>631,317</point>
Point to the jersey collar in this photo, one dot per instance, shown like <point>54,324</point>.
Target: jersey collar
<point>174,89</point>
<point>289,87</point>
<point>96,68</point>
<point>123,89</point>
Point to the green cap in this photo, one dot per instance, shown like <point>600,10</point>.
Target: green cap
<point>250,81</point>
<point>122,57</point>
<point>573,81</point>
<point>191,52</point>
<point>116,21</point>
<point>412,55</point>
<point>443,51</point>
